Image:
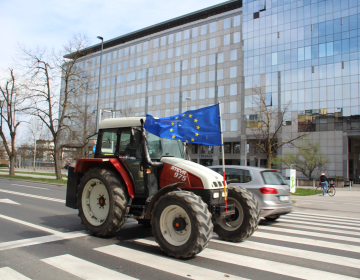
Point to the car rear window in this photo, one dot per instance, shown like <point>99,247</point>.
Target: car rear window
<point>242,175</point>
<point>273,178</point>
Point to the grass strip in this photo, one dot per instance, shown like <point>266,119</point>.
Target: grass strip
<point>36,173</point>
<point>53,181</point>
<point>304,192</point>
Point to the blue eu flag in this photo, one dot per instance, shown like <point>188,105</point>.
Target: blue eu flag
<point>200,126</point>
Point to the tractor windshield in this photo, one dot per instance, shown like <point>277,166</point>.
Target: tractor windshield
<point>161,147</point>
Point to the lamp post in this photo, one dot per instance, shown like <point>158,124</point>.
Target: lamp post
<point>98,99</point>
<point>186,100</point>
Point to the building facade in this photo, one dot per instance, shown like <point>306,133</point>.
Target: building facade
<point>302,54</point>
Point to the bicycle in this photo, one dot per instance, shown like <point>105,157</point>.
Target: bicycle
<point>330,190</point>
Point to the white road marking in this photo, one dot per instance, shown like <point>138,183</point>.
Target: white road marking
<point>262,264</point>
<point>30,187</point>
<point>10,274</point>
<point>298,253</point>
<point>9,201</point>
<point>40,240</point>
<point>84,269</point>
<point>339,218</point>
<point>163,263</point>
<point>33,196</point>
<point>319,221</point>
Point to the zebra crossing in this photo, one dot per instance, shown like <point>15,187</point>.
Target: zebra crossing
<point>302,246</point>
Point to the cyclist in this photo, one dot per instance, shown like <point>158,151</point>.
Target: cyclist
<point>324,182</point>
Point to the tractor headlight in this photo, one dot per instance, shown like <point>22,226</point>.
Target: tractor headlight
<point>216,195</point>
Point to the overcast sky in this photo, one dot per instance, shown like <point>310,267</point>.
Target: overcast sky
<point>52,23</point>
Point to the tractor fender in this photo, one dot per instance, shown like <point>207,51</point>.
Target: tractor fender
<point>160,193</point>
<point>84,164</point>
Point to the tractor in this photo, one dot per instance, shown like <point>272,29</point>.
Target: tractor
<point>136,174</point>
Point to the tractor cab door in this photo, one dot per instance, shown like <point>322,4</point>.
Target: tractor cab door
<point>131,157</point>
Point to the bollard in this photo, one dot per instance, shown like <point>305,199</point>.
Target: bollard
<point>350,185</point>
<point>313,184</point>
<point>297,183</point>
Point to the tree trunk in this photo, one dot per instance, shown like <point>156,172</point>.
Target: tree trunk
<point>57,162</point>
<point>12,164</point>
<point>268,160</point>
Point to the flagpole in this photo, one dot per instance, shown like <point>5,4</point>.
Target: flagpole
<point>223,157</point>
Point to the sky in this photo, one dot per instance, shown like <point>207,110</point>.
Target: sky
<point>50,24</point>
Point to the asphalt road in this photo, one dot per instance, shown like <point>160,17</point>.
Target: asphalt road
<point>42,239</point>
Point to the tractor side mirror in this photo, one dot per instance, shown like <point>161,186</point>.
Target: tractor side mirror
<point>135,139</point>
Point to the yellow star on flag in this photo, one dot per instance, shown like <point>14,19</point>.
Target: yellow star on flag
<point>173,136</point>
<point>190,116</point>
<point>196,134</point>
<point>186,140</point>
<point>198,127</point>
<point>176,118</point>
<point>172,123</point>
<point>192,139</point>
<point>183,115</point>
<point>171,130</point>
<point>195,120</point>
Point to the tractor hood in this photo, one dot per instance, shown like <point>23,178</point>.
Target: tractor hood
<point>207,175</point>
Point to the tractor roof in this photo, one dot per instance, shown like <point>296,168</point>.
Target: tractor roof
<point>121,122</point>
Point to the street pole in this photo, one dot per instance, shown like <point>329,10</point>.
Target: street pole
<point>98,99</point>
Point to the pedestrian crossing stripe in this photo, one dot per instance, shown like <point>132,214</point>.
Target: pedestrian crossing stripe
<point>327,217</point>
<point>10,274</point>
<point>166,264</point>
<point>319,222</point>
<point>85,269</point>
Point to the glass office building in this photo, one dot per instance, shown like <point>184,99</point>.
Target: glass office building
<point>303,54</point>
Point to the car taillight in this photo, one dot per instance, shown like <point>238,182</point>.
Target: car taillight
<point>268,190</point>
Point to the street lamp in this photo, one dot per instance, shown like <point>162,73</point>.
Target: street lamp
<point>186,100</point>
<point>98,99</point>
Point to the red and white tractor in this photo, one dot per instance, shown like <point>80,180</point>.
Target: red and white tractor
<point>138,175</point>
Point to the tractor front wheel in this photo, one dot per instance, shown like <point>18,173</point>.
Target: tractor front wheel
<point>244,222</point>
<point>102,201</point>
<point>181,224</point>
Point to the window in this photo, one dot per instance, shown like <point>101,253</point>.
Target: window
<point>126,64</point>
<point>221,93</point>
<point>202,93</point>
<point>138,61</point>
<point>145,46</point>
<point>150,101</point>
<point>170,53</point>
<point>233,89</point>
<point>162,55</point>
<point>193,94</point>
<point>227,23</point>
<point>203,45</point>
<point>177,66</point>
<point>138,47</point>
<point>126,51</point>
<point>155,56</point>
<point>184,81</point>
<point>203,29</point>
<point>212,43</point>
<point>211,75</point>
<point>121,53</point>
<point>194,47</point>
<point>268,99</point>
<point>156,43</point>
<point>109,142</point>
<point>193,63</point>
<point>193,79</point>
<point>159,70</point>
<point>226,39</point>
<point>202,61</point>
<point>167,83</point>
<point>168,98</point>
<point>211,59</point>
<point>168,68</point>
<point>132,62</point>
<point>236,38</point>
<point>163,41</point>
<point>233,72</point>
<point>113,68</point>
<point>236,21</point>
<point>158,85</point>
<point>171,39</point>
<point>211,93</point>
<point>233,125</point>
<point>132,49</point>
<point>220,57</point>
<point>144,59</point>
<point>151,72</point>
<point>233,55</point>
<point>202,77</point>
<point>185,64</point>
<point>195,32</point>
<point>233,107</point>
<point>220,74</point>
<point>212,27</point>
<point>186,49</point>
<point>176,97</point>
<point>186,34</point>
<point>178,37</point>
<point>158,100</point>
<point>177,81</point>
<point>178,51</point>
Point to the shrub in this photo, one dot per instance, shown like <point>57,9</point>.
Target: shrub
<point>3,165</point>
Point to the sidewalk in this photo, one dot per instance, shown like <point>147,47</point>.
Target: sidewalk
<point>5,171</point>
<point>355,187</point>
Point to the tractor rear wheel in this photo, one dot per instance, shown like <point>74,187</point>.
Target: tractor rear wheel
<point>102,201</point>
<point>181,224</point>
<point>244,222</point>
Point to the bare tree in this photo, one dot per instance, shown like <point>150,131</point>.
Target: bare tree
<point>13,103</point>
<point>267,124</point>
<point>56,83</point>
<point>34,128</point>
